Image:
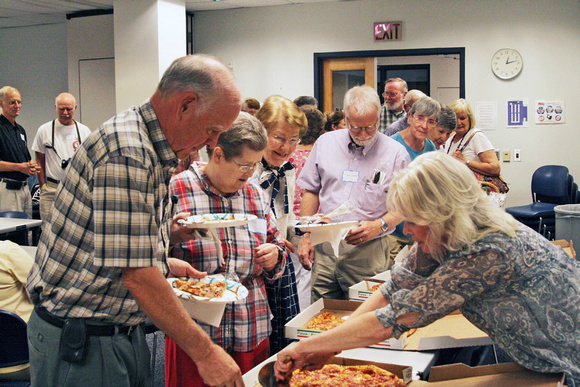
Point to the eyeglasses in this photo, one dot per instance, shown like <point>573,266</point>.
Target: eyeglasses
<point>356,129</point>
<point>281,140</point>
<point>392,95</point>
<point>422,119</point>
<point>245,168</point>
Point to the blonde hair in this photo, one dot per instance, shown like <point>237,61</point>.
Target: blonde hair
<point>277,109</point>
<point>461,106</point>
<point>440,192</point>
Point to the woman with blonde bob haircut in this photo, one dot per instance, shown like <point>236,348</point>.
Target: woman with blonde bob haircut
<point>507,279</point>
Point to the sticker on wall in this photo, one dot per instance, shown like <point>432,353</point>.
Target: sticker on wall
<point>550,112</point>
<point>517,113</point>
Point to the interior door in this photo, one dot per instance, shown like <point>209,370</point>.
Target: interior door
<point>341,74</point>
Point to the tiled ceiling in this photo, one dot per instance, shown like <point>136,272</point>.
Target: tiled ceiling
<point>21,13</point>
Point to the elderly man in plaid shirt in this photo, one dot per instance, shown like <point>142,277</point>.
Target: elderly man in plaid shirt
<point>102,259</point>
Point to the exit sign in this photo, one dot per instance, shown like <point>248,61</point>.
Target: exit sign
<point>388,31</point>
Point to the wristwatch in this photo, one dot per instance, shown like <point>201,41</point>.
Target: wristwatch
<point>467,163</point>
<point>384,225</point>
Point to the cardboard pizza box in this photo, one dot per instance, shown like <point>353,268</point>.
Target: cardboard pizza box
<point>567,246</point>
<point>451,331</point>
<point>362,290</point>
<point>296,328</point>
<point>504,374</point>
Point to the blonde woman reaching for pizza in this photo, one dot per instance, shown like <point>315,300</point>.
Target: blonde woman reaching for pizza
<point>508,280</point>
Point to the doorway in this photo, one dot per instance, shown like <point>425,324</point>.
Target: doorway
<point>322,78</point>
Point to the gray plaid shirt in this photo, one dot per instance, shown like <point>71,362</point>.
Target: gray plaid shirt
<point>388,117</point>
<point>110,213</point>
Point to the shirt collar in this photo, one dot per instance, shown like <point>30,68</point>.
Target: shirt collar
<point>162,148</point>
<point>205,183</point>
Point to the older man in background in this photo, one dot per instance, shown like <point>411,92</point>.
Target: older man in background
<point>402,123</point>
<point>102,259</point>
<point>353,165</point>
<point>394,96</point>
<point>15,161</point>
<point>54,144</point>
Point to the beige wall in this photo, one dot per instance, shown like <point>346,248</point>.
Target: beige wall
<point>272,51</point>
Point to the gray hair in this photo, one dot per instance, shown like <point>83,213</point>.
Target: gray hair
<point>447,119</point>
<point>440,192</point>
<point>63,95</point>
<point>201,74</point>
<point>246,131</point>
<point>427,107</point>
<point>413,95</point>
<point>7,89</point>
<point>402,83</point>
<point>364,99</point>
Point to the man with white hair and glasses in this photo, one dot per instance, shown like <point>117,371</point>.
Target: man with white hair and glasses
<point>354,165</point>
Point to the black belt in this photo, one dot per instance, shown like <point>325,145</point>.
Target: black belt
<point>92,330</point>
<point>52,180</point>
<point>22,183</point>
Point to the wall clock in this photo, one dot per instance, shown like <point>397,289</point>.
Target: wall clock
<point>506,63</point>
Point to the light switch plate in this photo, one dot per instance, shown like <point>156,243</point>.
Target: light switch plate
<point>506,156</point>
<point>517,155</point>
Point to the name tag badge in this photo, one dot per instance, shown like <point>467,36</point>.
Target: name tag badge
<point>350,176</point>
<point>70,137</point>
<point>258,226</point>
<point>22,137</point>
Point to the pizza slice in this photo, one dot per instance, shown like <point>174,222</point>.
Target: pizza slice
<point>214,289</point>
<point>324,321</point>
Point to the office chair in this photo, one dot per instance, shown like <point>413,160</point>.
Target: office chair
<point>552,185</point>
<point>13,349</point>
<point>18,237</point>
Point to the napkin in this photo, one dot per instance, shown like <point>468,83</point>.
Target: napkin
<point>333,234</point>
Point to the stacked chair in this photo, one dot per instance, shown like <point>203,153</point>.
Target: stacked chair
<point>552,185</point>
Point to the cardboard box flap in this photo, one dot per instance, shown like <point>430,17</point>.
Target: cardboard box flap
<point>505,374</point>
<point>405,373</point>
<point>451,331</point>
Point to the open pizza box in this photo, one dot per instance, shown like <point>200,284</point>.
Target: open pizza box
<point>296,328</point>
<point>567,246</point>
<point>504,374</point>
<point>362,290</point>
<point>451,331</point>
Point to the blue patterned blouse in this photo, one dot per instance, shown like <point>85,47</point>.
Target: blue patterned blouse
<point>524,292</point>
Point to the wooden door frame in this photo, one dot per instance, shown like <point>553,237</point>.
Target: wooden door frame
<point>367,64</point>
<point>320,57</point>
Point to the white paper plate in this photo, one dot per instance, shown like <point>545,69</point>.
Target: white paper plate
<point>216,220</point>
<point>325,226</point>
<point>234,290</point>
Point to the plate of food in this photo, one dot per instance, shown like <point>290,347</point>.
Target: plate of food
<point>217,220</point>
<point>313,227</point>
<point>213,288</point>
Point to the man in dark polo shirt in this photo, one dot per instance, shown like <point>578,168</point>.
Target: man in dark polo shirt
<point>15,160</point>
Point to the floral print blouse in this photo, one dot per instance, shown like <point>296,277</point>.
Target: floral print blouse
<point>524,292</point>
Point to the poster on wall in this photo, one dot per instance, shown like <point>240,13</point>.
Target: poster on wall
<point>486,115</point>
<point>517,113</point>
<point>550,112</point>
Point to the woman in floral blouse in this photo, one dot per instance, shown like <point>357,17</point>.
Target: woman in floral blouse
<point>508,280</point>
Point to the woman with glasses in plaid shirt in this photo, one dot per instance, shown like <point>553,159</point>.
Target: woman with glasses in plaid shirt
<point>253,254</point>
